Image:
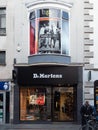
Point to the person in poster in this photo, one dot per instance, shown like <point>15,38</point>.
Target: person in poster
<point>55,36</point>
<point>49,32</point>
<point>44,35</point>
<point>49,36</point>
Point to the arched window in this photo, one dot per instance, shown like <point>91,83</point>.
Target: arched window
<point>49,31</point>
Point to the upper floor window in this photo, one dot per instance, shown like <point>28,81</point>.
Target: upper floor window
<point>2,57</point>
<point>49,31</point>
<point>2,21</point>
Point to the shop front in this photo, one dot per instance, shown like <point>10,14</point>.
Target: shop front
<point>47,93</point>
<point>96,95</point>
<point>4,101</point>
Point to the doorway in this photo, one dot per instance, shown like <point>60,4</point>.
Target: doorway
<point>64,103</point>
<point>2,107</point>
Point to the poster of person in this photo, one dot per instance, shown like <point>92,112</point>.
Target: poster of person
<point>49,32</point>
<point>49,36</point>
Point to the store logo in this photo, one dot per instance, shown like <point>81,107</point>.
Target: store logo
<point>47,76</point>
<point>6,86</point>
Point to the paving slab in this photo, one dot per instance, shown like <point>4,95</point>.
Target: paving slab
<point>40,126</point>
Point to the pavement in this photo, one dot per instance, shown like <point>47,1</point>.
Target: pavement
<point>52,126</point>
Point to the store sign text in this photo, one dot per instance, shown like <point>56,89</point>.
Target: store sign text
<point>51,76</point>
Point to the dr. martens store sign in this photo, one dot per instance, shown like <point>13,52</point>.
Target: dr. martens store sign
<point>47,75</point>
<point>42,75</point>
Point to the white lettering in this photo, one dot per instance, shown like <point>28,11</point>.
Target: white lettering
<point>41,76</point>
<point>46,76</point>
<point>35,76</point>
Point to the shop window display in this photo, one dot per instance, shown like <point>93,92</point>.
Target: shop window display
<point>47,104</point>
<point>33,104</point>
<point>49,31</point>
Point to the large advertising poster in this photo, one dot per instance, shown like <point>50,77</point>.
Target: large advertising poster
<point>49,32</point>
<point>49,36</point>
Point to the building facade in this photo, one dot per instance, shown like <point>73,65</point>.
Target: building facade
<point>48,59</point>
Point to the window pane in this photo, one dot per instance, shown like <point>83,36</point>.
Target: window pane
<point>32,37</point>
<point>35,106</point>
<point>65,37</point>
<point>50,32</point>
<point>65,15</point>
<point>2,11</point>
<point>2,57</point>
<point>54,13</point>
<point>43,13</point>
<point>48,13</point>
<point>2,21</point>
<point>32,15</point>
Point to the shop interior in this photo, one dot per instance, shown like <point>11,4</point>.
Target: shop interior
<point>46,103</point>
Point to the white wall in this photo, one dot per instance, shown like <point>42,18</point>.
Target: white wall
<point>77,32</point>
<point>18,33</point>
<point>6,43</point>
<point>95,33</point>
<point>3,3</point>
<point>22,31</point>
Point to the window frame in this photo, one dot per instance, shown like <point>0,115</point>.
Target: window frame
<point>2,57</point>
<point>2,16</point>
<point>33,18</point>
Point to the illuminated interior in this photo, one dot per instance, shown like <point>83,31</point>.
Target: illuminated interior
<point>38,103</point>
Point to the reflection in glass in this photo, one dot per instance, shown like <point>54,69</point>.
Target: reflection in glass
<point>65,15</point>
<point>65,37</point>
<point>52,13</point>
<point>49,32</point>
<point>33,104</point>
<point>45,104</point>
<point>63,104</point>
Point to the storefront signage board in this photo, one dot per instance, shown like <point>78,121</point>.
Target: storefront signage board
<point>4,85</point>
<point>47,75</point>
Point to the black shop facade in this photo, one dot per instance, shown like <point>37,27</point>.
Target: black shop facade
<point>47,93</point>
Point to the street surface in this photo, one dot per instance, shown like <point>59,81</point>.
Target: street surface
<point>53,126</point>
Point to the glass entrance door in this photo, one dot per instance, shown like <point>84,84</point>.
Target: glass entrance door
<point>2,108</point>
<point>63,103</point>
